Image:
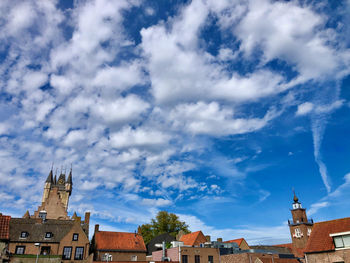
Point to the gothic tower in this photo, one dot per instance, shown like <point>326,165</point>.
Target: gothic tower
<point>300,227</point>
<point>56,196</point>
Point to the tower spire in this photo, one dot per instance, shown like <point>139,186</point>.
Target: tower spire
<point>50,178</point>
<point>69,180</point>
<point>295,198</point>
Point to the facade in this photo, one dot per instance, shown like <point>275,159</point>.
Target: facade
<point>62,239</point>
<point>56,196</point>
<point>193,239</point>
<point>329,242</point>
<point>4,237</point>
<point>186,254</point>
<point>50,234</point>
<point>117,246</point>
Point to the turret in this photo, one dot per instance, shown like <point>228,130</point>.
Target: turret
<point>69,182</point>
<point>300,226</point>
<point>48,183</point>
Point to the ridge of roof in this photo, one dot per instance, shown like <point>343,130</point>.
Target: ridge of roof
<point>192,238</point>
<point>238,241</point>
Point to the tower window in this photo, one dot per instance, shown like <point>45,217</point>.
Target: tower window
<point>309,231</point>
<point>297,233</point>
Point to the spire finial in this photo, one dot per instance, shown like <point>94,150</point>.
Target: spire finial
<point>295,198</point>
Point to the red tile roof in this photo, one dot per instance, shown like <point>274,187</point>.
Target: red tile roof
<point>320,240</point>
<point>4,227</point>
<point>279,260</point>
<point>193,239</point>
<point>237,241</point>
<point>298,252</point>
<point>120,241</point>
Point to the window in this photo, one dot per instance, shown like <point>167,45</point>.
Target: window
<point>75,237</point>
<point>45,251</point>
<point>342,241</point>
<point>67,253</point>
<point>48,235</point>
<point>24,234</point>
<point>20,250</point>
<point>297,233</point>
<point>184,259</point>
<point>309,231</point>
<point>210,259</point>
<point>79,253</point>
<point>197,259</point>
<point>133,258</point>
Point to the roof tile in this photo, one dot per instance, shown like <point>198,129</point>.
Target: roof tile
<point>193,239</point>
<point>4,226</point>
<point>320,240</point>
<point>106,240</point>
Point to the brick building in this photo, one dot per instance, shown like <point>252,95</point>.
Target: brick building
<point>50,233</point>
<point>329,242</point>
<point>117,246</point>
<point>256,258</point>
<point>186,254</point>
<point>193,239</point>
<point>4,237</point>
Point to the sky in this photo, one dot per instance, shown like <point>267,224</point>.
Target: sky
<point>213,110</point>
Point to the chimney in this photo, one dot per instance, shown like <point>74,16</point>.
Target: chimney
<point>207,238</point>
<point>219,239</point>
<point>97,228</point>
<point>87,218</point>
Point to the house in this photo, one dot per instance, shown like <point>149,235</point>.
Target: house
<point>257,257</point>
<point>242,244</point>
<point>165,237</point>
<point>64,240</point>
<point>193,239</point>
<point>50,233</point>
<point>117,246</point>
<point>4,237</point>
<point>187,254</point>
<point>329,242</point>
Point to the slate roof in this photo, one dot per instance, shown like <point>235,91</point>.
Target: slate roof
<point>37,230</point>
<point>277,249</point>
<point>158,240</point>
<point>119,241</point>
<point>193,239</point>
<point>298,252</point>
<point>4,227</point>
<point>320,240</point>
<point>279,260</point>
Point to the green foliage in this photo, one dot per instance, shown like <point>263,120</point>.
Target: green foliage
<point>163,223</point>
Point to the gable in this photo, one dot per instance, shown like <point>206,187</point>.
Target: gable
<point>119,241</point>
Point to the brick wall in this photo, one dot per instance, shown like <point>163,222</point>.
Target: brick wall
<point>121,256</point>
<point>172,253</point>
<point>334,256</point>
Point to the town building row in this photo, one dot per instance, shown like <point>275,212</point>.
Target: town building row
<point>49,235</point>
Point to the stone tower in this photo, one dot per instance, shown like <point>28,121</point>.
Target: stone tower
<point>300,227</point>
<point>54,203</point>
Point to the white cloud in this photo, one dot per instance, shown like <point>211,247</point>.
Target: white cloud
<point>140,137</point>
<point>211,119</point>
<point>305,108</point>
<point>317,206</point>
<point>156,202</point>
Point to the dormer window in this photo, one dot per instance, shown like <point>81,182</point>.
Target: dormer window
<point>48,235</point>
<point>75,237</point>
<point>341,241</point>
<point>24,234</point>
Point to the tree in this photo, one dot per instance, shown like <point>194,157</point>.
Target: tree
<point>163,223</point>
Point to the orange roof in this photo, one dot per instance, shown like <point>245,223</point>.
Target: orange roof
<point>193,239</point>
<point>4,227</point>
<point>320,240</point>
<point>120,241</point>
<point>237,241</point>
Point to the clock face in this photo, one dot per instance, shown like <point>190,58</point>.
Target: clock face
<point>61,181</point>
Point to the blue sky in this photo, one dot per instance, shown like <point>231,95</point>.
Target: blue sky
<point>213,110</point>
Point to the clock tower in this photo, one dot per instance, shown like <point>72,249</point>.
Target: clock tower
<point>54,203</point>
<point>300,226</point>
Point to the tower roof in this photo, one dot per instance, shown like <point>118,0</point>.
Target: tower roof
<point>50,178</point>
<point>69,180</point>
